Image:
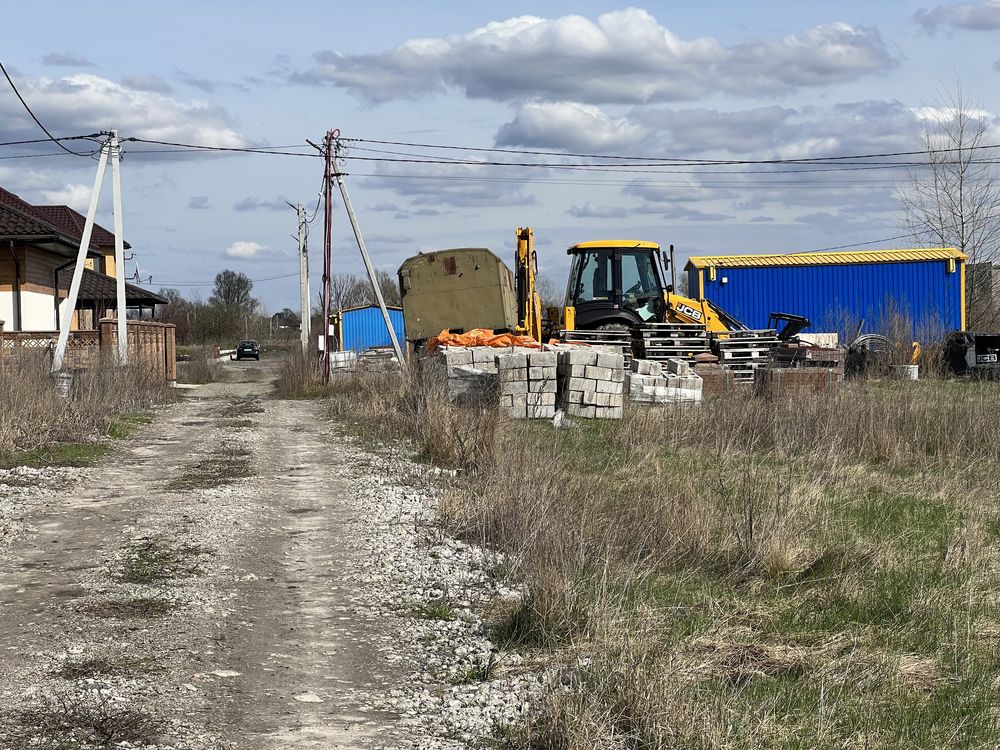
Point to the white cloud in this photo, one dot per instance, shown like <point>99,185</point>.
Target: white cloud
<point>245,249</point>
<point>569,126</point>
<point>74,196</point>
<point>625,56</point>
<point>591,210</point>
<point>86,103</point>
<point>983,16</point>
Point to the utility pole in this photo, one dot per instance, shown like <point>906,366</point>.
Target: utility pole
<point>116,196</point>
<point>305,313</point>
<point>371,270</point>
<point>331,135</point>
<point>81,257</point>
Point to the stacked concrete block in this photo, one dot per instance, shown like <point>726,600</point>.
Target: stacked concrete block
<point>591,382</point>
<point>469,373</point>
<point>668,382</point>
<point>528,384</point>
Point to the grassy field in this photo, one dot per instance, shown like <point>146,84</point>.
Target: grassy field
<point>811,573</point>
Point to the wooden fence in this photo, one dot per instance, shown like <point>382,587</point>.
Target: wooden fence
<point>151,346</point>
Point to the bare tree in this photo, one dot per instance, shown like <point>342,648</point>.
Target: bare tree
<point>954,199</point>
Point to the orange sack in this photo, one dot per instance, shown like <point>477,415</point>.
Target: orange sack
<point>480,337</point>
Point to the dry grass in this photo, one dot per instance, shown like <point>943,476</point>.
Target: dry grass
<point>33,417</point>
<point>202,368</point>
<point>820,572</point>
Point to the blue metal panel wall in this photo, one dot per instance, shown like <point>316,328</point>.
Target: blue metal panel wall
<point>837,297</point>
<point>364,328</point>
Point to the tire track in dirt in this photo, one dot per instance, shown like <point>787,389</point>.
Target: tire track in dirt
<point>188,591</point>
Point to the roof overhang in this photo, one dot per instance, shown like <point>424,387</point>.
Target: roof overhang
<point>775,260</point>
<point>613,244</point>
<point>51,243</point>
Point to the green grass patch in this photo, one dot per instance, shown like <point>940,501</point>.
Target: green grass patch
<point>437,609</point>
<point>156,559</point>
<point>58,454</point>
<point>123,425</point>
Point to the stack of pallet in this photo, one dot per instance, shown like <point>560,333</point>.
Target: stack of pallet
<point>797,368</point>
<point>744,352</point>
<point>667,382</point>
<point>659,342</point>
<point>619,342</point>
<point>591,382</point>
<point>527,384</point>
<point>794,354</point>
<point>798,380</point>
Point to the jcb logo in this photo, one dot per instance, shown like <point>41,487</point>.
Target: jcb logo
<point>689,311</point>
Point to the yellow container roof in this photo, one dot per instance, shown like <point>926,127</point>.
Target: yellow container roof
<point>614,243</point>
<point>826,258</point>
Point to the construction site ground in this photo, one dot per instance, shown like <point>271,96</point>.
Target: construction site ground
<point>213,583</point>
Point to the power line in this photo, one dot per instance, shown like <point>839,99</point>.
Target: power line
<point>37,121</point>
<point>212,283</point>
<point>805,160</point>
<point>270,150</point>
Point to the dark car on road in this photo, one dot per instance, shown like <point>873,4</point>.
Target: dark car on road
<point>248,350</point>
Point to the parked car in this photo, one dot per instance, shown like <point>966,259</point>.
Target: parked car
<point>248,350</point>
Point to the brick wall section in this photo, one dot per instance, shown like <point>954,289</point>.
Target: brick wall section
<point>149,346</point>
<point>152,346</point>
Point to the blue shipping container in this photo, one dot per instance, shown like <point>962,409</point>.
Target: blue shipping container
<point>836,291</point>
<point>361,328</point>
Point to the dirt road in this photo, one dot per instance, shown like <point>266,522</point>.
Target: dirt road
<point>200,589</point>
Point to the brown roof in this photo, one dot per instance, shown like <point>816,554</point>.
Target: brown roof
<point>72,222</point>
<point>59,220</point>
<point>22,224</point>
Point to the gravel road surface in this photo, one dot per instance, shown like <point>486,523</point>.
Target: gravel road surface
<point>241,574</point>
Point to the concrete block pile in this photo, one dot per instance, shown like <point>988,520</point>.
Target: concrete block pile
<point>668,382</point>
<point>469,373</point>
<point>528,384</point>
<point>591,382</point>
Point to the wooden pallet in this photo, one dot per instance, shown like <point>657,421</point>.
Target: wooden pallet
<point>744,352</point>
<point>662,341</point>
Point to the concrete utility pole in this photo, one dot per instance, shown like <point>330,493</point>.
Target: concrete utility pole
<point>81,258</point>
<point>331,135</point>
<point>116,196</point>
<point>371,270</point>
<point>304,313</point>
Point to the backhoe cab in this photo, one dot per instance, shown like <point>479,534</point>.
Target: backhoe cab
<point>622,283</point>
<point>614,284</point>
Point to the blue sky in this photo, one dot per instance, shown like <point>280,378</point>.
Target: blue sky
<point>697,80</point>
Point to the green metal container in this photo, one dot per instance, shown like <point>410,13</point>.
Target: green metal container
<point>456,290</point>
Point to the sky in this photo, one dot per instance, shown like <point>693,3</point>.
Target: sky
<point>698,81</point>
